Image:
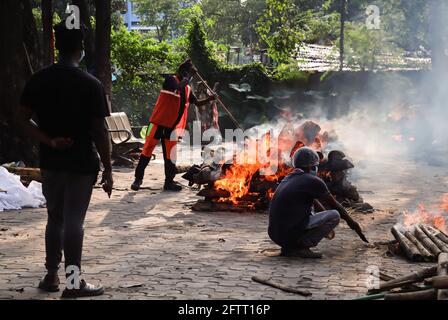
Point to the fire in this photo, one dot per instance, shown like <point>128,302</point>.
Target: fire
<point>435,216</point>
<point>272,159</point>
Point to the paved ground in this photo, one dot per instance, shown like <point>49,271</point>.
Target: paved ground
<point>150,245</point>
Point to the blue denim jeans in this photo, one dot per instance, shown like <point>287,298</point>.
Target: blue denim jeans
<point>319,226</point>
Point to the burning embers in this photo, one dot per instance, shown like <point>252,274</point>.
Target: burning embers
<point>248,181</point>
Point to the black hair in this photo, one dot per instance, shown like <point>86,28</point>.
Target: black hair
<point>68,40</point>
<point>185,66</point>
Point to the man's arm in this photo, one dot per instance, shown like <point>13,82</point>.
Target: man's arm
<point>101,138</point>
<point>334,204</point>
<point>23,120</point>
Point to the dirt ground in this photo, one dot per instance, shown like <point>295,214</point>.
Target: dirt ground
<point>150,245</point>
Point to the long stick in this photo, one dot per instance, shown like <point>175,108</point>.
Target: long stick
<point>220,101</point>
<point>282,287</point>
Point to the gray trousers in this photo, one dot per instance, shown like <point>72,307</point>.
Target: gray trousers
<point>320,225</point>
<point>68,197</point>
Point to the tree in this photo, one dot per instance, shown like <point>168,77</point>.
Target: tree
<point>103,45</point>
<point>163,15</point>
<point>47,31</point>
<point>279,30</point>
<point>19,56</point>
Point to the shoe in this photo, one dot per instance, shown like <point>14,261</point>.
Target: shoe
<point>305,253</point>
<point>172,186</point>
<point>137,184</point>
<point>49,283</point>
<point>85,290</point>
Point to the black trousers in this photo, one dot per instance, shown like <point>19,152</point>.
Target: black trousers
<point>170,166</point>
<point>68,197</point>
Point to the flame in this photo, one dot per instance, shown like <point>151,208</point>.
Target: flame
<point>434,216</point>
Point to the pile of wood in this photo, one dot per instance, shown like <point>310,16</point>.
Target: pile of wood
<point>427,284</point>
<point>419,242</point>
<point>215,200</point>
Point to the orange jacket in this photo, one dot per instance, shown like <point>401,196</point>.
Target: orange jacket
<point>167,108</point>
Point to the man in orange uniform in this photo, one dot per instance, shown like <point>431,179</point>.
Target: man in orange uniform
<point>169,114</point>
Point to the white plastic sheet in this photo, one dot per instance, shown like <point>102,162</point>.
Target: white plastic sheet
<point>16,195</point>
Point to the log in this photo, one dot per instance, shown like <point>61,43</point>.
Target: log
<point>427,243</point>
<point>439,234</point>
<point>409,279</point>
<point>439,282</point>
<point>442,270</point>
<point>440,244</point>
<point>280,286</point>
<point>409,249</point>
<point>213,193</point>
<point>427,256</point>
<point>429,294</point>
<point>26,173</point>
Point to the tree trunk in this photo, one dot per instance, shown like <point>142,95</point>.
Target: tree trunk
<point>437,31</point>
<point>102,44</point>
<point>343,8</point>
<point>19,56</point>
<point>89,36</point>
<point>47,31</point>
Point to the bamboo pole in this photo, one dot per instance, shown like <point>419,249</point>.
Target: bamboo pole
<point>442,270</point>
<point>423,238</point>
<point>409,249</point>
<point>221,103</point>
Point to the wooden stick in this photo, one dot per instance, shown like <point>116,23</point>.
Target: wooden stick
<point>429,294</point>
<point>427,256</point>
<point>221,103</point>
<point>439,234</point>
<point>409,279</point>
<point>282,287</point>
<point>409,249</point>
<point>439,282</point>
<point>423,238</point>
<point>441,245</point>
<point>442,270</point>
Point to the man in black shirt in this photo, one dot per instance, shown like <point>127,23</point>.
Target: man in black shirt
<point>70,107</point>
<point>292,223</point>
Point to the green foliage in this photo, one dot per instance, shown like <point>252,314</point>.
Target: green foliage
<point>201,51</point>
<point>165,15</point>
<point>278,29</point>
<point>364,46</point>
<point>138,64</point>
<point>288,72</point>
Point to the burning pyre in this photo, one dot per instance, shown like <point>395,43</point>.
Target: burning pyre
<point>423,234</point>
<point>249,182</point>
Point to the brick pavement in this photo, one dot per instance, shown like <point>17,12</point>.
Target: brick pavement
<point>150,245</point>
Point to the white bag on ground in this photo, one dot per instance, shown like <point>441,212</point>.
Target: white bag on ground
<point>16,195</point>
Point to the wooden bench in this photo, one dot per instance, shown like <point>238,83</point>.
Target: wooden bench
<point>123,139</point>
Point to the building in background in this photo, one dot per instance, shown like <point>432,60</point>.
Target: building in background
<point>132,21</point>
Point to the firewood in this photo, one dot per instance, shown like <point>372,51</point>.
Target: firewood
<point>26,173</point>
<point>439,234</point>
<point>213,193</point>
<point>280,286</point>
<point>409,279</point>
<point>426,242</point>
<point>440,244</point>
<point>409,249</point>
<point>429,294</point>
<point>427,256</point>
<point>442,270</point>
<point>439,282</point>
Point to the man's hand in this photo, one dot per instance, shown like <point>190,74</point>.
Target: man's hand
<point>61,143</point>
<point>213,97</point>
<point>107,182</point>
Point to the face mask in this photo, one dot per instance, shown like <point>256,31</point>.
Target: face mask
<point>83,54</point>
